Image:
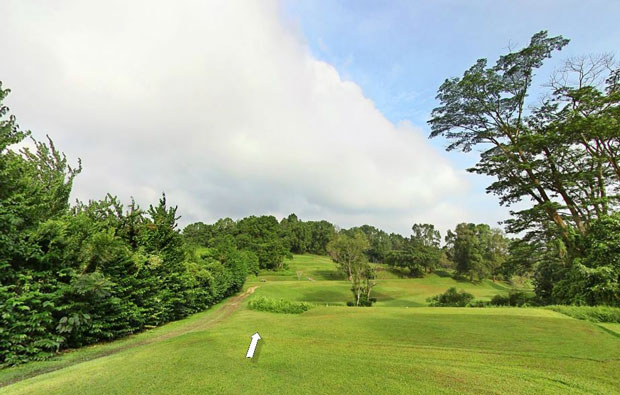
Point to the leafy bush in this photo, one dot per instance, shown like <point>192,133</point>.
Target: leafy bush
<point>514,298</point>
<point>589,313</point>
<point>451,298</point>
<point>364,302</point>
<point>262,303</point>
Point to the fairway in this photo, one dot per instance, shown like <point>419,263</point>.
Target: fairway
<point>398,349</point>
<point>321,284</point>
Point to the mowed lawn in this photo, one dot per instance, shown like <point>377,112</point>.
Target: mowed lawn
<point>337,349</point>
<point>370,350</point>
<point>327,286</point>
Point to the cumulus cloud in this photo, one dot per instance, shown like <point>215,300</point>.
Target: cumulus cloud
<point>221,105</point>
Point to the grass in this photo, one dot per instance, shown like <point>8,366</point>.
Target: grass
<point>339,349</point>
<point>71,357</point>
<point>326,350</point>
<point>312,267</point>
<point>329,287</point>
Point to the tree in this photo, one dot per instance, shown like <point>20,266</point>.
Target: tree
<point>477,250</point>
<point>297,234</point>
<point>348,254</point>
<point>262,236</point>
<point>559,155</point>
<point>71,276</point>
<point>595,278</point>
<point>488,107</point>
<point>322,233</point>
<point>347,251</point>
<point>198,233</point>
<point>426,235</point>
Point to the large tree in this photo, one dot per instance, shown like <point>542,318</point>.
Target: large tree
<point>557,155</point>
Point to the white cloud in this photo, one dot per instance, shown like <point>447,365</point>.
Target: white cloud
<point>222,106</point>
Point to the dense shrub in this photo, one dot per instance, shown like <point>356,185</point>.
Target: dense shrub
<point>589,313</point>
<point>364,302</point>
<point>514,298</point>
<point>451,298</point>
<point>71,276</point>
<point>262,303</point>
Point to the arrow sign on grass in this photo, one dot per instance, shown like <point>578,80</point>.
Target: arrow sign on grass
<point>255,338</point>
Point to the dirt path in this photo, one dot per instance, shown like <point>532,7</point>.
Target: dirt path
<point>228,307</point>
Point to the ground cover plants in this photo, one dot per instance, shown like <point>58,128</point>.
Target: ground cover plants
<point>590,313</point>
<point>263,303</point>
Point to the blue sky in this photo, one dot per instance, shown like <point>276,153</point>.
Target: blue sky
<point>399,51</point>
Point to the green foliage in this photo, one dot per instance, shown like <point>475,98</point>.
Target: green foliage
<point>478,251</point>
<point>451,298</point>
<point>263,303</point>
<point>72,276</point>
<point>514,298</point>
<point>348,252</point>
<point>589,313</point>
<point>595,278</point>
<point>259,237</point>
<point>560,155</point>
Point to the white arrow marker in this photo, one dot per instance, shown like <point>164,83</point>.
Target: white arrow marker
<point>255,338</point>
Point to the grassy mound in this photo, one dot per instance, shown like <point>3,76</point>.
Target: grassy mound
<point>263,303</point>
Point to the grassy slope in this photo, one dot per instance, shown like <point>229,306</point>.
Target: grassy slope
<point>391,291</point>
<point>366,350</point>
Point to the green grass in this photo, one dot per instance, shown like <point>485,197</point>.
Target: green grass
<point>339,349</point>
<point>366,350</point>
<point>329,287</point>
<point>315,267</point>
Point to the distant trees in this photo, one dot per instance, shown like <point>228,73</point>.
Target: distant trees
<point>420,253</point>
<point>477,251</point>
<point>348,254</point>
<point>261,235</point>
<point>559,155</point>
<point>348,251</point>
<point>306,237</point>
<point>258,237</point>
<point>379,242</point>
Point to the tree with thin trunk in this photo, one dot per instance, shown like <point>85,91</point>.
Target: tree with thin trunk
<point>348,252</point>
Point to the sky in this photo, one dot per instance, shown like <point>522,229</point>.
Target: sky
<point>238,108</point>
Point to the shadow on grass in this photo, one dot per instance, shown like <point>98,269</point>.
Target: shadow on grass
<point>499,286</point>
<point>329,275</point>
<point>324,296</point>
<point>463,279</point>
<point>398,272</point>
<point>258,350</point>
<point>442,273</point>
<point>381,297</point>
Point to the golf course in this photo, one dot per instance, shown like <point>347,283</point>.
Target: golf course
<point>398,346</point>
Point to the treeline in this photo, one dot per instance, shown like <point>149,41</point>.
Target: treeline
<point>474,251</point>
<point>71,276</point>
<point>266,241</point>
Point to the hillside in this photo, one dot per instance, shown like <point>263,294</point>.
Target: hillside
<point>337,349</point>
